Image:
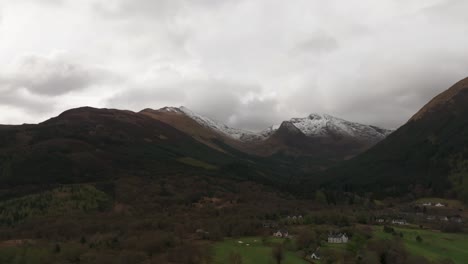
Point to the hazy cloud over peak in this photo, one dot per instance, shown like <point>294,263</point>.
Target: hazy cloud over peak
<point>247,63</point>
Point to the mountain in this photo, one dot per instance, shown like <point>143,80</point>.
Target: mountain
<point>88,144</point>
<point>317,136</point>
<point>319,141</point>
<point>428,155</point>
<point>322,125</point>
<point>217,127</point>
<point>204,129</point>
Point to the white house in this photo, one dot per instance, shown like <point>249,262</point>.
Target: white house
<point>281,233</point>
<point>439,205</point>
<point>399,222</point>
<point>338,238</point>
<point>315,255</point>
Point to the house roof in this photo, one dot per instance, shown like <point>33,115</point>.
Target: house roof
<point>340,235</point>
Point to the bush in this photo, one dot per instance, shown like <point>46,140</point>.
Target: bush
<point>388,229</point>
<point>419,239</point>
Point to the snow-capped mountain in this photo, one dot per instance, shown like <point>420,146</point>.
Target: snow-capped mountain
<point>314,125</point>
<point>323,125</point>
<point>235,133</point>
<point>269,131</point>
<point>317,135</point>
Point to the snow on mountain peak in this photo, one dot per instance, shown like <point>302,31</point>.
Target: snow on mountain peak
<point>235,133</point>
<point>322,125</point>
<point>171,109</point>
<point>314,125</point>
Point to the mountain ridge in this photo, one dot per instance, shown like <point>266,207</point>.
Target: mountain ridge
<point>312,125</point>
<point>427,154</point>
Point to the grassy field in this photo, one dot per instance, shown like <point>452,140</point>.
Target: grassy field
<point>434,246</point>
<point>252,250</point>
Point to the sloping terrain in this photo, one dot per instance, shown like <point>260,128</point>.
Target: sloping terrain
<point>88,144</point>
<point>325,136</point>
<point>309,144</point>
<point>427,155</point>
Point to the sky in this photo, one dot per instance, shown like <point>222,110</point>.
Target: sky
<point>247,63</point>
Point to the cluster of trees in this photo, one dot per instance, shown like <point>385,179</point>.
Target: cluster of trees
<point>154,220</point>
<point>59,201</point>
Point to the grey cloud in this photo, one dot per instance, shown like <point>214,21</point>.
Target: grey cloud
<point>46,2</point>
<point>37,84</point>
<point>258,114</point>
<point>389,96</point>
<point>51,76</point>
<point>319,43</point>
<point>151,96</point>
<point>221,100</point>
<point>448,11</point>
<point>20,98</point>
<point>159,10</point>
<point>246,63</point>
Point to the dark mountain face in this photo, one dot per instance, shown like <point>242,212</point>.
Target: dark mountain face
<point>426,155</point>
<point>88,144</point>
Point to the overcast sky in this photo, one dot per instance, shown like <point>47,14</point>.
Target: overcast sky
<point>248,63</point>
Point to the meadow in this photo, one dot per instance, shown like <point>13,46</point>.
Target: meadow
<point>253,251</point>
<point>434,245</point>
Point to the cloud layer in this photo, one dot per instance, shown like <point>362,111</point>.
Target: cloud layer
<point>247,63</point>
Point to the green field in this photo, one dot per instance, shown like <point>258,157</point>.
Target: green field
<point>253,251</point>
<point>434,246</point>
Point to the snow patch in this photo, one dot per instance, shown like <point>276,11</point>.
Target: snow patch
<point>318,125</point>
<point>235,133</point>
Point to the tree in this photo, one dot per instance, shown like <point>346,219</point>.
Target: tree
<point>235,258</point>
<point>419,239</point>
<point>278,254</point>
<point>57,248</point>
<point>388,229</point>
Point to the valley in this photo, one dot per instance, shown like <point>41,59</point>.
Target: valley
<point>171,186</point>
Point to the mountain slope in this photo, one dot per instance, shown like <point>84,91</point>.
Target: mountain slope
<point>322,125</point>
<point>210,125</point>
<point>323,137</point>
<point>88,144</point>
<point>313,135</point>
<point>428,155</point>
